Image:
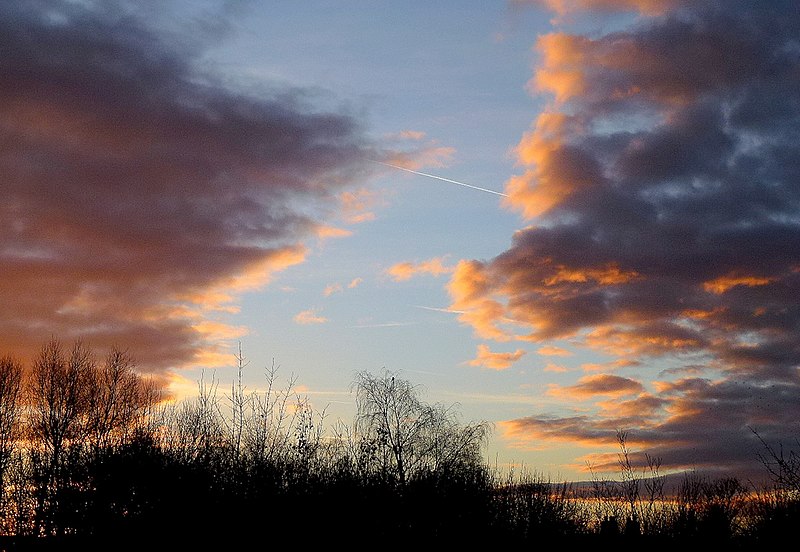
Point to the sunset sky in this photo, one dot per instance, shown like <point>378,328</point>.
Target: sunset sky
<point>569,217</point>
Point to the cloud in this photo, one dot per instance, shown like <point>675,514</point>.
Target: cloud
<point>528,433</point>
<point>611,365</point>
<point>659,188</point>
<point>724,283</point>
<point>551,367</point>
<point>325,232</point>
<point>562,7</point>
<point>495,361</point>
<point>694,424</point>
<point>407,135</point>
<point>418,154</point>
<point>308,317</point>
<point>356,205</point>
<point>401,272</point>
<point>470,289</point>
<point>552,350</point>
<point>330,289</point>
<point>142,196</point>
<point>600,384</point>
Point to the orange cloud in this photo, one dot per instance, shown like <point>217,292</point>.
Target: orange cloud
<point>700,314</point>
<point>495,361</point>
<point>722,284</point>
<point>536,434</point>
<point>330,289</point>
<point>614,364</point>
<point>356,206</point>
<point>325,232</point>
<point>469,287</point>
<point>406,270</point>
<point>644,340</point>
<point>601,384</point>
<point>607,275</point>
<point>309,317</point>
<point>418,159</point>
<point>643,407</point>
<point>550,367</point>
<point>218,294</point>
<point>552,350</point>
<point>554,171</point>
<point>561,71</point>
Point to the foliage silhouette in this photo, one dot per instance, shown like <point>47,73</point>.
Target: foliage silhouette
<point>92,456</point>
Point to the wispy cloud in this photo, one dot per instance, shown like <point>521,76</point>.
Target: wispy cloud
<point>415,152</point>
<point>330,289</point>
<point>325,232</point>
<point>439,309</point>
<point>401,272</point>
<point>357,206</point>
<point>557,368</point>
<point>310,316</point>
<point>385,325</point>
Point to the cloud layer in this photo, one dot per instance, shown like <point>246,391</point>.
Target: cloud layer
<point>139,194</point>
<point>661,184</point>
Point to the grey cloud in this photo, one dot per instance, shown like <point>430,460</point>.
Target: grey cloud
<point>132,181</point>
<point>699,200</point>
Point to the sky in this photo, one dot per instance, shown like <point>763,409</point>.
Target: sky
<point>565,217</point>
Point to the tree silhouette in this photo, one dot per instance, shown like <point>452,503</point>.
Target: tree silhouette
<point>407,436</point>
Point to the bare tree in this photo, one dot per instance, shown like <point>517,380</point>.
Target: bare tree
<point>407,435</point>
<point>58,396</point>
<point>119,401</point>
<point>194,430</point>
<point>239,403</point>
<point>10,391</point>
<point>783,465</point>
<point>268,426</point>
<point>630,479</point>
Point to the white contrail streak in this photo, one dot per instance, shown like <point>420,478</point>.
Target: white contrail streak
<point>440,310</point>
<point>444,179</point>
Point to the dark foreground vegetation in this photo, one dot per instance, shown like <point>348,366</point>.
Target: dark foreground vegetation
<point>92,457</point>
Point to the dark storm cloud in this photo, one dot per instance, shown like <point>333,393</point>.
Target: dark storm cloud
<point>662,184</point>
<point>137,191</point>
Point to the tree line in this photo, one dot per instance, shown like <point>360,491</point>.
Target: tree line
<point>94,453</point>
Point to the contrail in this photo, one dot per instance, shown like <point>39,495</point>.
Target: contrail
<point>442,178</point>
<point>440,310</point>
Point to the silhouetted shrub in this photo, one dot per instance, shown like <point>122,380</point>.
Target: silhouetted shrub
<point>89,459</point>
